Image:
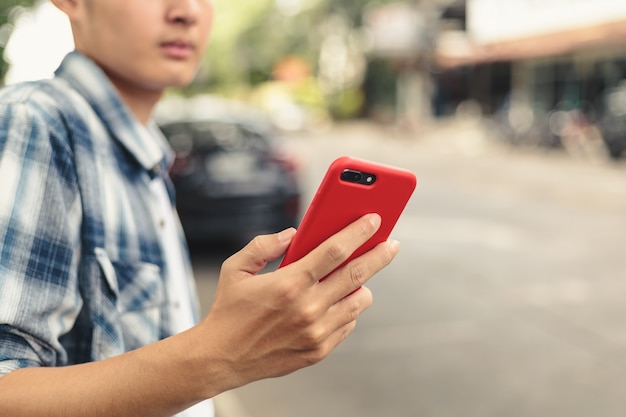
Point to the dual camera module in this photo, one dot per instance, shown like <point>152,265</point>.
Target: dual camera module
<point>358,177</point>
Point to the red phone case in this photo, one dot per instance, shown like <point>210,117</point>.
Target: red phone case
<point>338,203</point>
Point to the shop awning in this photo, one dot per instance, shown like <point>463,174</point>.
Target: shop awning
<point>456,49</point>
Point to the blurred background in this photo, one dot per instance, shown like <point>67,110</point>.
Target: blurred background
<point>507,298</point>
<point>543,75</point>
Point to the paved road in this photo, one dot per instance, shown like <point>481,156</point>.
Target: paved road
<point>508,297</point>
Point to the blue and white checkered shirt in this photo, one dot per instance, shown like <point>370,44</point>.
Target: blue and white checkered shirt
<point>82,272</point>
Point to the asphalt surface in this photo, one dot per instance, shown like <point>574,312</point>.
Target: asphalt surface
<point>508,297</point>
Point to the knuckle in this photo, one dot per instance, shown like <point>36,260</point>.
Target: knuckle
<point>310,275</point>
<point>249,252</point>
<point>308,316</point>
<point>314,356</point>
<point>348,329</point>
<point>336,253</point>
<point>286,292</point>
<point>256,243</point>
<point>358,274</point>
<point>366,230</point>
<point>313,338</point>
<point>354,311</point>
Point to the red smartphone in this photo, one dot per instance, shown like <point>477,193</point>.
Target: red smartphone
<point>350,189</point>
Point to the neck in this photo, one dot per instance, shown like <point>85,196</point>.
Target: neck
<point>140,100</point>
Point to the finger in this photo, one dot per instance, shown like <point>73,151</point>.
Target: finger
<point>350,307</point>
<point>337,249</point>
<point>358,271</point>
<point>319,352</point>
<point>340,319</point>
<point>261,250</point>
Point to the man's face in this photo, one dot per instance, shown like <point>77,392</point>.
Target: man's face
<point>144,44</point>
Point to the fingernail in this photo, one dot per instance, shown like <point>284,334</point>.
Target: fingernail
<point>375,220</point>
<point>395,245</point>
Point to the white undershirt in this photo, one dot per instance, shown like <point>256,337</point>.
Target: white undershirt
<point>177,287</point>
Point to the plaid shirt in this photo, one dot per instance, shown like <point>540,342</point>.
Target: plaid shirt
<point>82,273</point>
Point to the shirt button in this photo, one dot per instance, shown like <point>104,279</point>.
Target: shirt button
<point>161,223</point>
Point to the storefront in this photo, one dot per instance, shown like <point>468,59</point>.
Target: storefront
<point>554,47</point>
<point>563,55</point>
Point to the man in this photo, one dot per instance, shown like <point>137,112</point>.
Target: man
<point>97,309</point>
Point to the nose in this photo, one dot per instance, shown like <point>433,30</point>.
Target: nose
<point>183,12</point>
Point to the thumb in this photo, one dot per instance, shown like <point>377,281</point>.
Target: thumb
<point>261,250</point>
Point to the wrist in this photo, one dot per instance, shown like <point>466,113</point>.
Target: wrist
<point>202,371</point>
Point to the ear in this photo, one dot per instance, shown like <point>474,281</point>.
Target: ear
<point>69,7</point>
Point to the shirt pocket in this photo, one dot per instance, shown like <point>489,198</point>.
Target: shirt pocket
<point>139,293</point>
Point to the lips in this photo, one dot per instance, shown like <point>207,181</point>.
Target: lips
<point>177,49</point>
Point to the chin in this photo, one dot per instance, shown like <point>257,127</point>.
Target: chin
<point>181,78</point>
<point>171,80</point>
<point>183,82</point>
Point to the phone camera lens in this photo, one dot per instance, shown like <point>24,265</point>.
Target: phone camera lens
<point>351,175</point>
<point>358,177</point>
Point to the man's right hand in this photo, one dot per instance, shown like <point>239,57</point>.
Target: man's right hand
<point>272,324</point>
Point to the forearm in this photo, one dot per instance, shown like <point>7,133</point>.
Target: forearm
<point>157,380</point>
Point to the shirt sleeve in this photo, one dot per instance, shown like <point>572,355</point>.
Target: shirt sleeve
<point>40,217</point>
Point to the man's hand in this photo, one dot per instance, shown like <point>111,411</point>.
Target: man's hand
<point>275,323</point>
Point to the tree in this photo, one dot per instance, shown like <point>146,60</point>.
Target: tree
<point>249,37</point>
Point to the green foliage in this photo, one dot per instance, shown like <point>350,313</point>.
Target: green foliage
<point>346,104</point>
<point>249,37</point>
<point>7,7</point>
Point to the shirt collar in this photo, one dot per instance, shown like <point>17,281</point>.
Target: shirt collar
<point>145,144</point>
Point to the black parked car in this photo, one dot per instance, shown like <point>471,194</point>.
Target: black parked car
<point>233,179</point>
